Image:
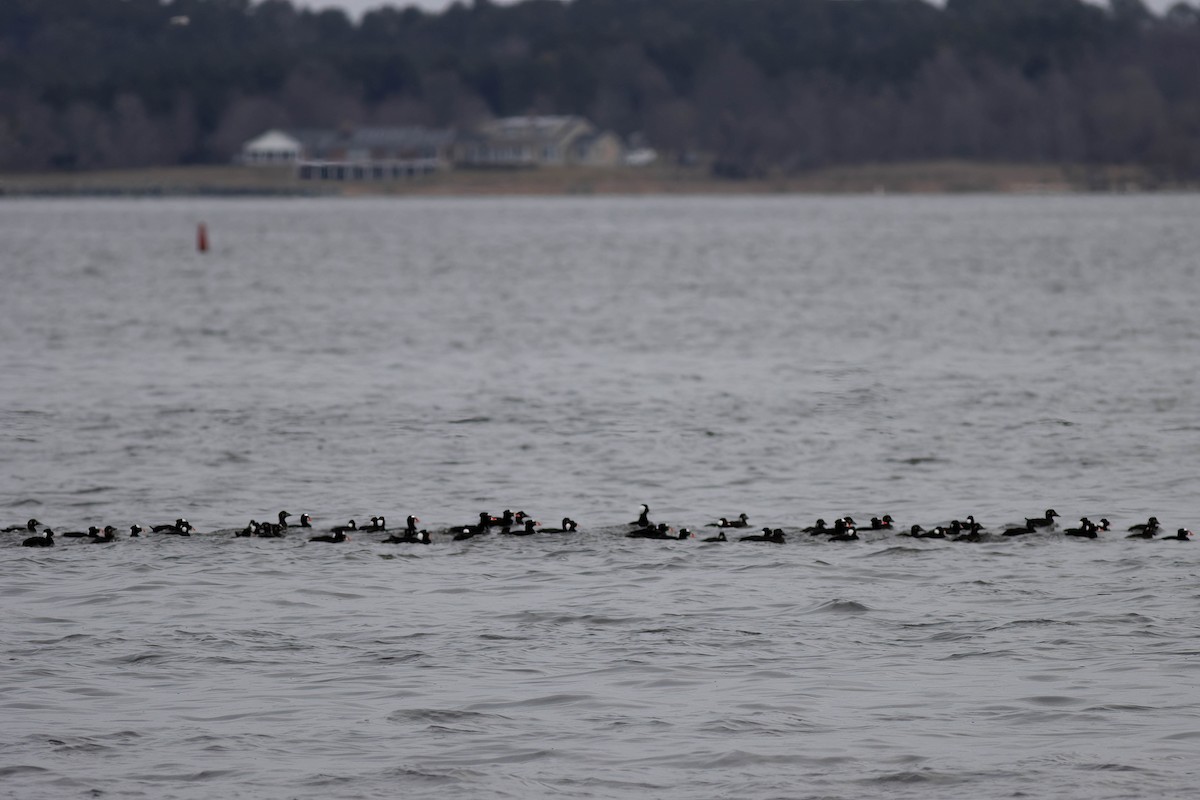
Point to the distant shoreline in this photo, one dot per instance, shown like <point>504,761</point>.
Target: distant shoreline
<point>941,177</point>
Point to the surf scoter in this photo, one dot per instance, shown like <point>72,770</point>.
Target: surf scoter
<point>135,531</point>
<point>409,537</point>
<point>658,531</point>
<point>1044,521</point>
<point>336,538</point>
<point>109,535</point>
<point>528,530</point>
<point>1147,526</point>
<point>568,526</point>
<point>720,537</point>
<point>467,531</point>
<point>29,527</point>
<point>1182,535</point>
<point>767,535</point>
<point>45,540</point>
<point>816,529</point>
<point>92,531</point>
<point>1019,530</point>
<point>741,521</point>
<point>347,528</point>
<point>410,524</point>
<point>250,530</point>
<point>1086,529</point>
<point>841,527</point>
<point>269,530</point>
<point>883,523</point>
<point>915,531</point>
<point>847,535</point>
<point>181,527</point>
<point>969,528</point>
<point>643,520</point>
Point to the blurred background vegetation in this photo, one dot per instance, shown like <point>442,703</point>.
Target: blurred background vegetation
<point>750,87</point>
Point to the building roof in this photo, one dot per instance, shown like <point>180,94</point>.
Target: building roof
<point>274,141</point>
<point>317,141</point>
<point>515,130</point>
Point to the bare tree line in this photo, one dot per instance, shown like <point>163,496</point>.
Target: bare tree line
<point>753,86</point>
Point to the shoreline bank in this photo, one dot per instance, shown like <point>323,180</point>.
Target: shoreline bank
<point>943,177</point>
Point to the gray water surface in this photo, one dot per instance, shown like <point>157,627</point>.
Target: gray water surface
<point>792,358</point>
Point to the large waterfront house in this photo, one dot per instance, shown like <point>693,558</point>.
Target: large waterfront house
<point>376,153</point>
<point>538,142</point>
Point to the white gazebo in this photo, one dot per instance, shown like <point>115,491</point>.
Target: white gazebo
<point>273,148</point>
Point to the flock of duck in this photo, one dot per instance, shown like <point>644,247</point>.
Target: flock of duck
<point>510,523</point>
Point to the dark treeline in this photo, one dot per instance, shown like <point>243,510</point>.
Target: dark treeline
<point>758,86</point>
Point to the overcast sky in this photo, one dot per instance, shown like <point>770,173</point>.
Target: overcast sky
<point>356,7</point>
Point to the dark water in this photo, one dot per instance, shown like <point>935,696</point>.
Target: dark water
<point>790,358</point>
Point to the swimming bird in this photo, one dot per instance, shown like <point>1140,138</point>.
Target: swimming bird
<point>841,527</point>
<point>882,523</point>
<point>305,521</point>
<point>410,524</point>
<point>720,537</point>
<point>336,538</point>
<point>377,524</point>
<point>467,531</point>
<point>568,526</point>
<point>658,531</point>
<point>409,537</point>
<point>684,533</point>
<point>1044,521</point>
<point>643,520</point>
<point>30,527</point>
<point>45,540</point>
<point>1147,526</point>
<point>1182,535</point>
<point>92,531</point>
<point>915,531</point>
<point>271,530</point>
<point>816,529</point>
<point>969,528</point>
<point>250,530</point>
<point>348,527</point>
<point>847,535</point>
<point>1086,529</point>
<point>970,536</point>
<point>767,535</point>
<point>528,530</point>
<point>742,521</point>
<point>135,531</point>
<point>109,535</point>
<point>181,527</point>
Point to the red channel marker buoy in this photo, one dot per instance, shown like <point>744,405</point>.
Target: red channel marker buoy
<point>202,238</point>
